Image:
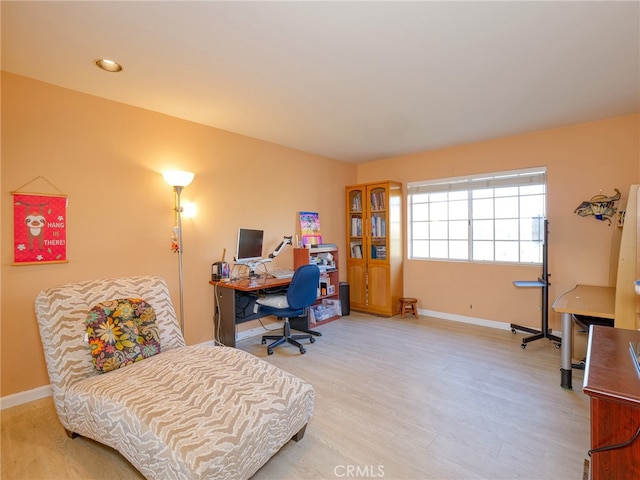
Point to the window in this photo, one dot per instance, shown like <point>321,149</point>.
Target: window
<point>497,217</point>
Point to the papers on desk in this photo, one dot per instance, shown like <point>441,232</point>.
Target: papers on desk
<point>281,273</point>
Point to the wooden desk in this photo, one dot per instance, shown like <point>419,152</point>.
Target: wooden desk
<point>589,300</point>
<point>612,382</point>
<point>252,285</point>
<point>235,302</point>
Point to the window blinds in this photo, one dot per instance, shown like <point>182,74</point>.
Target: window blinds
<point>513,178</point>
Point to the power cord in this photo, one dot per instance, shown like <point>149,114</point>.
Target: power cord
<point>216,318</point>
<point>616,446</point>
<point>268,329</point>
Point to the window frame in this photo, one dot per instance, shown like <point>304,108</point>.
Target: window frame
<point>430,222</point>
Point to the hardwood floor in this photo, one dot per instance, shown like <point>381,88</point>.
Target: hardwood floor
<point>395,399</point>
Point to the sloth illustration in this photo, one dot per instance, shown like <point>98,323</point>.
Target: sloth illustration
<point>35,224</point>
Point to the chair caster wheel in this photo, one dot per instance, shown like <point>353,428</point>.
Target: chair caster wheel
<point>523,346</point>
<point>264,341</point>
<point>303,350</point>
<point>558,345</point>
<point>269,351</point>
<point>513,330</point>
<point>312,340</point>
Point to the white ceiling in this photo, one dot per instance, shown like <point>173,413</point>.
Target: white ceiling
<point>354,81</point>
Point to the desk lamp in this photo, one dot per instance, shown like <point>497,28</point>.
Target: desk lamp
<point>178,180</point>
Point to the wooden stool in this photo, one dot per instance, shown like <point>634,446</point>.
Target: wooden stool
<point>408,305</point>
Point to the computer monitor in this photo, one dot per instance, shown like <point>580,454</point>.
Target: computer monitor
<point>249,249</point>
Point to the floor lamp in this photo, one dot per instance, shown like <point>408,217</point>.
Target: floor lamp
<point>178,180</point>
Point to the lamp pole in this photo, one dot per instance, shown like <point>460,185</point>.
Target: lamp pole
<point>178,190</point>
<point>179,179</point>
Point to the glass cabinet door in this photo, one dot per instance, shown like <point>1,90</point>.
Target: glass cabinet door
<point>377,232</point>
<point>356,223</point>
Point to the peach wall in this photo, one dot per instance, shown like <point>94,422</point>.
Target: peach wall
<point>582,161</point>
<point>108,158</point>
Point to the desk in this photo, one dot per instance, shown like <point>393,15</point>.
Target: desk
<point>235,301</point>
<point>613,385</point>
<point>253,285</point>
<point>589,300</point>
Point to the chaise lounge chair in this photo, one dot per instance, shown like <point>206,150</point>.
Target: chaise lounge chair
<point>185,412</point>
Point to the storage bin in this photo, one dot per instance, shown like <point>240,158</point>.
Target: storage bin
<point>335,304</point>
<point>322,312</point>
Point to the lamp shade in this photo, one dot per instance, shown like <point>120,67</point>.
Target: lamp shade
<point>178,178</point>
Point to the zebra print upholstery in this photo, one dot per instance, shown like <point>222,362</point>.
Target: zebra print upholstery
<point>190,412</point>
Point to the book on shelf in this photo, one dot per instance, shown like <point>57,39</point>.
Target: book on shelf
<point>356,227</point>
<point>356,250</point>
<point>378,226</point>
<point>356,204</point>
<point>379,252</point>
<point>378,200</point>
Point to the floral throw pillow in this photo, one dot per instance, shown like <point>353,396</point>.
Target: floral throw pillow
<point>121,332</point>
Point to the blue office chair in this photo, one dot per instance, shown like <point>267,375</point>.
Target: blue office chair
<point>301,294</point>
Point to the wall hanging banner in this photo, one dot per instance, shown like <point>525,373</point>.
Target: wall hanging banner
<point>39,228</point>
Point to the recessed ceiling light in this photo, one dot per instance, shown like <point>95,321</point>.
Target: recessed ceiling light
<point>108,65</point>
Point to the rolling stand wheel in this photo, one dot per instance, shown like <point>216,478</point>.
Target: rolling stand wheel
<point>580,365</point>
<point>513,330</point>
<point>269,351</point>
<point>302,349</point>
<point>523,346</point>
<point>312,340</point>
<point>264,341</point>
<point>558,345</point>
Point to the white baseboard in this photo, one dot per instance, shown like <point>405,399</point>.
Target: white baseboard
<point>474,320</point>
<point>254,332</point>
<point>19,398</point>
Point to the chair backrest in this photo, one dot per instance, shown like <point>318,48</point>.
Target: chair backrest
<point>303,289</point>
<point>62,312</point>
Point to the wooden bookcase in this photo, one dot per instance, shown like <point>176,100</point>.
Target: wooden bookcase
<point>374,243</point>
<point>330,279</point>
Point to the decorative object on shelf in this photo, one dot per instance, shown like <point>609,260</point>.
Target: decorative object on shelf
<point>39,226</point>
<point>600,206</point>
<point>310,228</point>
<point>178,180</point>
<point>175,246</point>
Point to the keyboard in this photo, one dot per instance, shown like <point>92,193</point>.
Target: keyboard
<point>282,273</point>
